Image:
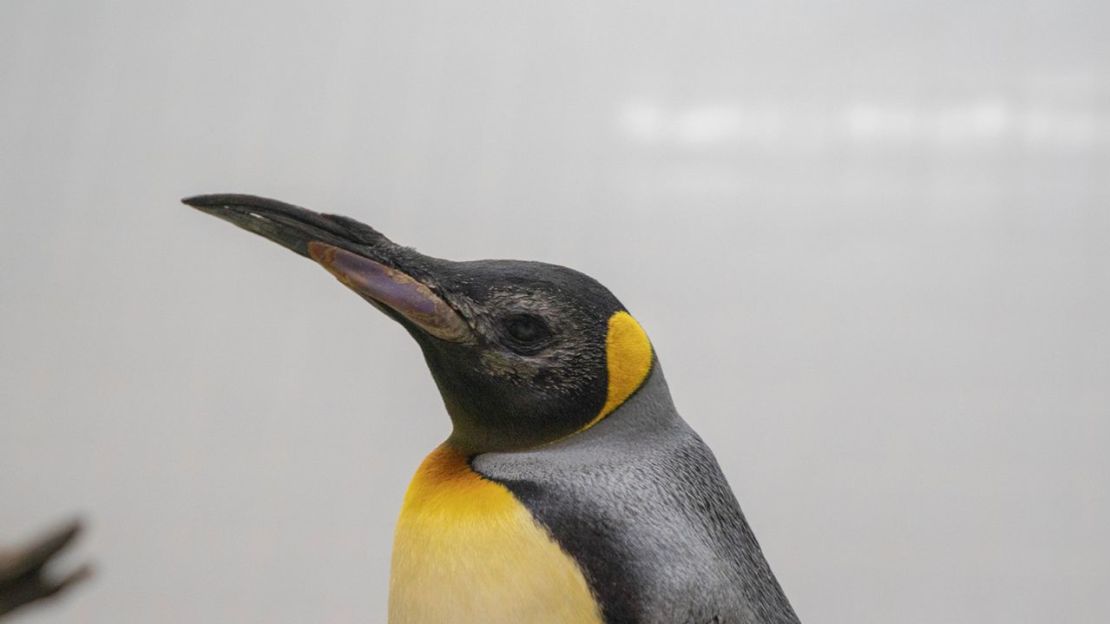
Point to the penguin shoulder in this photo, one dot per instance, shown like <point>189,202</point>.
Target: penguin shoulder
<point>640,503</point>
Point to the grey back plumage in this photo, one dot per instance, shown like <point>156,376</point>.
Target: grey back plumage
<point>641,504</point>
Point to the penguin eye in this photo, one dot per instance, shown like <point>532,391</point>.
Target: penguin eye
<point>527,332</point>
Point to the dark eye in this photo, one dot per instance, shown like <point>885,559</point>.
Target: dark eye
<point>527,331</point>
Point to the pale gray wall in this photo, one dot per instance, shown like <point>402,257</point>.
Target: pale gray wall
<point>871,242</point>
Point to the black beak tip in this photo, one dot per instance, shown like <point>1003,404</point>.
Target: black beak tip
<point>288,225</point>
<point>200,201</point>
<point>217,200</point>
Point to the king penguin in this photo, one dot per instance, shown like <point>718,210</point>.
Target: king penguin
<point>569,489</point>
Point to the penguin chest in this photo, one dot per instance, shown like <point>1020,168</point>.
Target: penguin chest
<point>466,550</point>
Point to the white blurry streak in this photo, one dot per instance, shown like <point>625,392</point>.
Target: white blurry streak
<point>705,125</point>
<point>976,123</point>
<point>1077,129</point>
<point>642,121</point>
<point>987,120</point>
<point>870,122</point>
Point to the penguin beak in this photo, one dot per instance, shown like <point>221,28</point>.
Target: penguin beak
<point>359,256</point>
<point>385,285</point>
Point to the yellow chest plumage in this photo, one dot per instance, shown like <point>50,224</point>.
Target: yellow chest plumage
<point>467,551</point>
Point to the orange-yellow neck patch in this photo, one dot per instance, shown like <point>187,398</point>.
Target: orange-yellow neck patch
<point>628,357</point>
<point>467,551</point>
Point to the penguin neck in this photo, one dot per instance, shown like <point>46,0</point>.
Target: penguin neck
<point>644,423</point>
<point>643,415</point>
<point>649,407</point>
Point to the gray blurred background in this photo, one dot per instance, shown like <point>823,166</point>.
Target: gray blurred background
<point>871,243</point>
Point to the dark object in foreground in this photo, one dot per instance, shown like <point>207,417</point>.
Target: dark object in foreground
<point>23,578</point>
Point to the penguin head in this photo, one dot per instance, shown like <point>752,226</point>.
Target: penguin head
<point>523,353</point>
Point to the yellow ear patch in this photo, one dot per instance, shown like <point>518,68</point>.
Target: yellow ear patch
<point>628,357</point>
